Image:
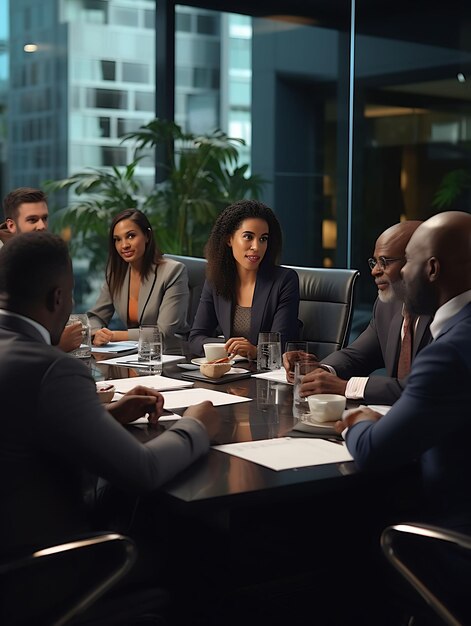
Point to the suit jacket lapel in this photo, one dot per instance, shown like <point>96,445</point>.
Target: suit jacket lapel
<point>464,313</point>
<point>260,298</point>
<point>225,315</point>
<point>145,291</point>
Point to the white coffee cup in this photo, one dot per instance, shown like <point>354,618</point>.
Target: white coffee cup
<point>326,407</point>
<point>213,351</point>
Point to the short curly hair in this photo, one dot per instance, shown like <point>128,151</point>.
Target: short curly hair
<point>221,270</point>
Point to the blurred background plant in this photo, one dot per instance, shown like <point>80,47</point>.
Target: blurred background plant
<point>452,189</point>
<point>201,173</point>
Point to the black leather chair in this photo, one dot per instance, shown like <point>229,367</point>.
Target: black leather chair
<point>61,584</point>
<point>326,307</point>
<point>196,268</point>
<point>436,562</point>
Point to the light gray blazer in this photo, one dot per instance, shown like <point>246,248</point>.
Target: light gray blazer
<point>163,300</point>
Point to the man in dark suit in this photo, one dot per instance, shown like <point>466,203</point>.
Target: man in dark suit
<point>53,425</point>
<point>349,371</point>
<point>431,420</point>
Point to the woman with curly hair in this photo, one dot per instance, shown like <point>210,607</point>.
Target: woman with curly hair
<point>245,292</point>
<point>141,285</point>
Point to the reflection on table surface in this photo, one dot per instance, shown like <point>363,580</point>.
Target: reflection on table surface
<point>219,475</point>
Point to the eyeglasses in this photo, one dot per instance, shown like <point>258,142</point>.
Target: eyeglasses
<point>383,261</point>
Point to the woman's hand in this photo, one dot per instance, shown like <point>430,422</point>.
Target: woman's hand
<point>102,337</point>
<point>241,346</point>
<point>136,403</point>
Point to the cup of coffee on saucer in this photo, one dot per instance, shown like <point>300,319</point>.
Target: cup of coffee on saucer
<point>325,407</point>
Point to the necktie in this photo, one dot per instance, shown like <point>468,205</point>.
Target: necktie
<point>405,355</point>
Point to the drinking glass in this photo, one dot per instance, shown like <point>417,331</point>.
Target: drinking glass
<point>149,349</point>
<point>296,351</point>
<point>301,405</point>
<point>84,351</point>
<point>269,351</point>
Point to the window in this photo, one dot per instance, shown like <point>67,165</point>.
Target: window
<point>108,70</point>
<point>135,72</point>
<point>127,125</point>
<point>207,24</point>
<point>106,99</point>
<point>113,156</point>
<point>145,101</point>
<point>124,17</point>
<point>183,22</point>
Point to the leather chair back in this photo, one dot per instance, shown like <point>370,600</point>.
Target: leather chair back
<point>196,268</point>
<point>326,307</point>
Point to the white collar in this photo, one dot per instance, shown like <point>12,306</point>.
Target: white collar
<point>447,311</point>
<point>39,327</point>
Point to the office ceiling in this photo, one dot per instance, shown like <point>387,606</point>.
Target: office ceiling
<point>445,23</point>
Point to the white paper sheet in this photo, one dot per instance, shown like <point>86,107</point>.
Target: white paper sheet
<point>154,382</point>
<point>130,360</point>
<point>188,397</point>
<point>116,346</point>
<point>278,376</point>
<point>286,453</point>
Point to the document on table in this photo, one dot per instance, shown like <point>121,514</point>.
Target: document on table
<point>278,376</point>
<point>286,453</point>
<point>130,360</point>
<point>122,385</point>
<point>116,347</point>
<point>188,397</point>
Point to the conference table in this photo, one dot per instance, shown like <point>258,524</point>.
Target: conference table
<point>224,482</point>
<point>244,526</point>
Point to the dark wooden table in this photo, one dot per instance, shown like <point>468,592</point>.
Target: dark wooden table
<point>223,480</point>
<point>258,532</point>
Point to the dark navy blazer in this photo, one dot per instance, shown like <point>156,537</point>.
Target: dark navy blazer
<point>275,308</point>
<point>431,422</point>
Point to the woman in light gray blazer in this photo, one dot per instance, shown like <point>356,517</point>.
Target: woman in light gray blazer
<point>141,285</point>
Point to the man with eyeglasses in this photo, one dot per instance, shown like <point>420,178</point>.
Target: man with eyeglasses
<point>348,371</point>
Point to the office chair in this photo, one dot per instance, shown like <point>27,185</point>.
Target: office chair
<point>436,562</point>
<point>196,268</point>
<point>326,307</point>
<point>56,585</point>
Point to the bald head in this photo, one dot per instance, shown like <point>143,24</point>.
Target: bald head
<point>438,264</point>
<point>396,237</point>
<point>391,245</point>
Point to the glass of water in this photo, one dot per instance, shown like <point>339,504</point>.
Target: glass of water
<point>84,351</point>
<point>269,351</point>
<point>149,349</point>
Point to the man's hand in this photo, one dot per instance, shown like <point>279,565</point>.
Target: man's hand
<point>71,337</point>
<point>207,414</point>
<point>321,381</point>
<point>352,417</point>
<point>242,346</point>
<point>102,337</point>
<point>290,358</point>
<point>136,403</point>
